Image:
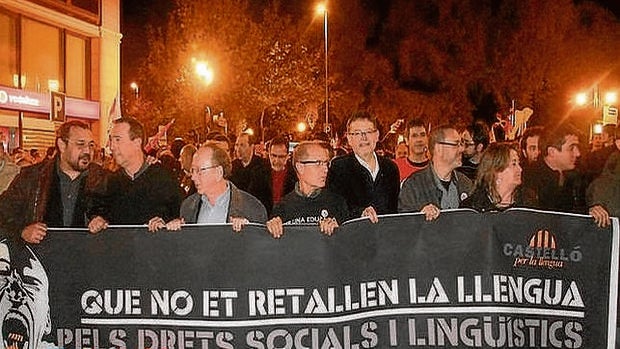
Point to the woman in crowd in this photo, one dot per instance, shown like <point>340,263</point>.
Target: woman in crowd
<point>497,180</point>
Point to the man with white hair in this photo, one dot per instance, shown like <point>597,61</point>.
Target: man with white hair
<point>217,199</point>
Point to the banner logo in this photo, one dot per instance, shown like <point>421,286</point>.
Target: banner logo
<point>542,252</point>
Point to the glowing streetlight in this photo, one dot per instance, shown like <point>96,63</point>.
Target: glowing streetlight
<point>135,88</point>
<point>611,97</point>
<point>322,9</point>
<point>302,127</point>
<point>204,71</point>
<point>581,99</point>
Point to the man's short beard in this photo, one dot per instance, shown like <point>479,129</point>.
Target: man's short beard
<point>78,165</point>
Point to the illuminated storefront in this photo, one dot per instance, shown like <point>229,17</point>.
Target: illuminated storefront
<point>69,47</point>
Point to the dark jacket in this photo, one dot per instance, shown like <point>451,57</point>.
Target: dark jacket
<point>480,201</point>
<point>241,204</point>
<point>595,162</point>
<point>544,184</point>
<point>153,193</point>
<point>420,189</point>
<point>605,190</point>
<point>34,196</point>
<point>352,181</point>
<point>261,186</point>
<point>242,177</point>
<point>296,208</point>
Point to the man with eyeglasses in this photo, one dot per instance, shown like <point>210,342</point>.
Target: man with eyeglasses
<point>438,186</point>
<point>476,139</point>
<point>55,192</point>
<point>279,177</point>
<point>217,199</point>
<point>368,182</point>
<point>139,191</point>
<point>310,202</point>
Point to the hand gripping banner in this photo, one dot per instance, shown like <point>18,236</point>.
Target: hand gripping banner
<point>516,279</point>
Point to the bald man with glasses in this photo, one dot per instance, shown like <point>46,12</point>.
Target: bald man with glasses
<point>310,202</point>
<point>438,186</point>
<point>217,199</point>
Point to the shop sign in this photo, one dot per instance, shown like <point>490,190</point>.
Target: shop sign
<point>28,101</point>
<point>22,100</point>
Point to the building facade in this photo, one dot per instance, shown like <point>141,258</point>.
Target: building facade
<point>60,61</point>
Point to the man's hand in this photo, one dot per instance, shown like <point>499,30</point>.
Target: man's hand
<point>238,223</point>
<point>156,223</point>
<point>34,233</point>
<point>274,226</point>
<point>175,224</point>
<point>431,212</point>
<point>370,213</point>
<point>328,225</point>
<point>97,224</point>
<point>601,216</point>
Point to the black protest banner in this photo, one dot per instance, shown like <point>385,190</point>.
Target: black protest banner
<point>515,279</point>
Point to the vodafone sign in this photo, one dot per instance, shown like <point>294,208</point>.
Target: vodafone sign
<point>21,100</point>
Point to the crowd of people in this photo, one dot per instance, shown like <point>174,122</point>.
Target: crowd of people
<point>430,171</point>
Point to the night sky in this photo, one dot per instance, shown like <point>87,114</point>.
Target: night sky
<point>134,10</point>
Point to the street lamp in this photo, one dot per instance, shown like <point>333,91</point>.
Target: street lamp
<point>581,99</point>
<point>301,127</point>
<point>605,108</point>
<point>136,89</point>
<point>322,8</point>
<point>204,72</point>
<point>611,98</point>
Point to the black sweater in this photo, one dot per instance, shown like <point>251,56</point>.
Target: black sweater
<point>154,193</point>
<point>297,209</point>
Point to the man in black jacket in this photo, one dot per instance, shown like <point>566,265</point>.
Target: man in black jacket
<point>369,182</point>
<point>554,182</point>
<point>55,192</point>
<point>310,202</point>
<point>138,192</point>
<point>278,178</point>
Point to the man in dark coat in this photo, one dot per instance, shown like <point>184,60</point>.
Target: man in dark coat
<point>279,176</point>
<point>55,192</point>
<point>369,182</point>
<point>438,186</point>
<point>138,192</point>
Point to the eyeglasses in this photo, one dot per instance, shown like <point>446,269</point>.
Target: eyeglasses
<point>201,170</point>
<point>82,144</point>
<point>315,163</point>
<point>460,143</point>
<point>468,143</point>
<point>361,134</point>
<point>276,156</point>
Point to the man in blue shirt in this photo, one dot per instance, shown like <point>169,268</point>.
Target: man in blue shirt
<point>217,199</point>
